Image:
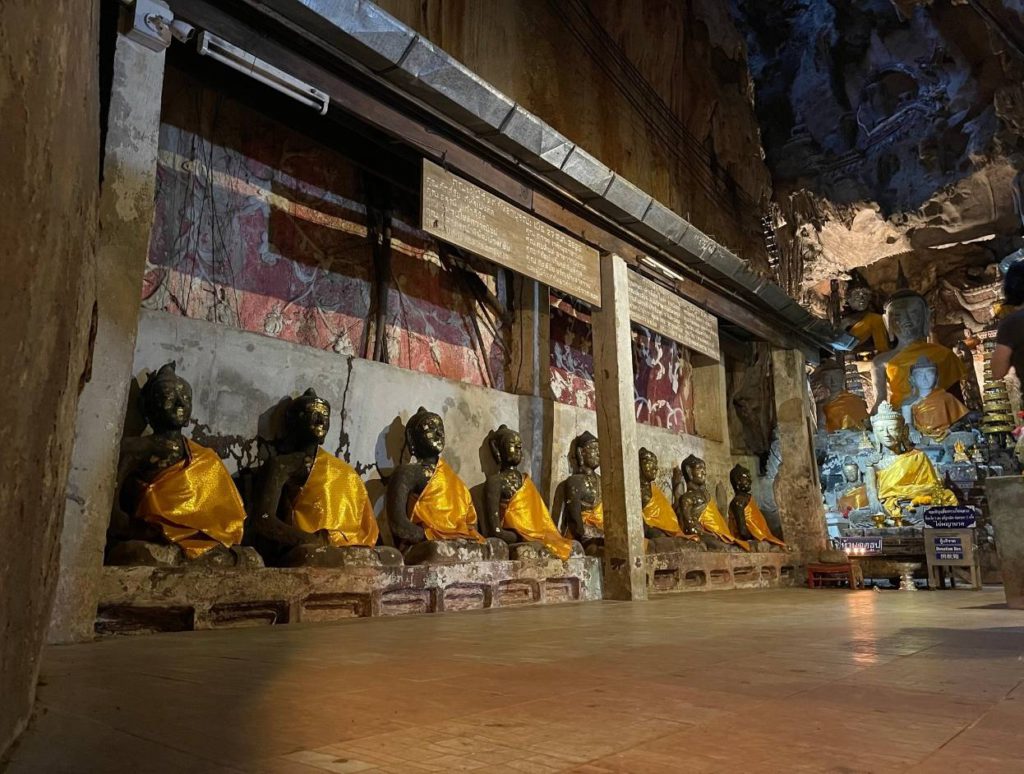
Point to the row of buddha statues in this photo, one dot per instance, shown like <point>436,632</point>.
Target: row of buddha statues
<point>917,403</point>
<point>177,503</point>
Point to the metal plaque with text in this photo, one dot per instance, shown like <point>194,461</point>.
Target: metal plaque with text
<point>459,212</point>
<point>661,310</point>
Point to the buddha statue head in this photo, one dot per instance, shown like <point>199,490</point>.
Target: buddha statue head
<point>851,471</point>
<point>890,428</point>
<point>167,400</point>
<point>586,452</point>
<point>907,316</point>
<point>695,471</point>
<point>308,418</point>
<point>859,299</point>
<point>648,466</point>
<point>832,377</point>
<point>740,479</point>
<point>424,434</point>
<point>506,447</point>
<point>924,375</point>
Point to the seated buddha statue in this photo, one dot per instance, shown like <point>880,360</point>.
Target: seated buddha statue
<point>514,510</point>
<point>661,525</point>
<point>699,513</point>
<point>582,512</point>
<point>430,510</point>
<point>175,501</point>
<point>745,518</point>
<point>854,493</point>
<point>843,410</point>
<point>903,475</point>
<point>865,325</point>
<point>931,412</point>
<point>309,507</point>
<point>909,319</point>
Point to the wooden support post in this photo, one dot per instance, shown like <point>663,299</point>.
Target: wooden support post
<point>625,575</point>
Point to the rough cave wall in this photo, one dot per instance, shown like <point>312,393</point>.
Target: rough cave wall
<point>658,90</point>
<point>892,130</point>
<point>48,86</point>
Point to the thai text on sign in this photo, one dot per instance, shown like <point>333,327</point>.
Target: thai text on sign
<point>661,310</point>
<point>459,212</point>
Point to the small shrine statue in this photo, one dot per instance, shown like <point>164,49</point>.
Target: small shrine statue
<point>904,475</point>
<point>175,499</point>
<point>583,513</point>
<point>745,517</point>
<point>699,513</point>
<point>909,320</point>
<point>515,511</point>
<point>866,326</point>
<point>931,412</point>
<point>311,508</point>
<point>660,521</point>
<point>430,510</point>
<point>855,492</point>
<point>843,410</point>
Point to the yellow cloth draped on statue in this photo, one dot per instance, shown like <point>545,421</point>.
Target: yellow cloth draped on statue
<point>897,371</point>
<point>871,326</point>
<point>845,412</point>
<point>933,415</point>
<point>658,513</point>
<point>195,503</point>
<point>594,517</point>
<point>334,498</point>
<point>757,524</point>
<point>911,476</point>
<point>854,498</point>
<point>445,507</point>
<point>527,514</point>
<point>714,522</point>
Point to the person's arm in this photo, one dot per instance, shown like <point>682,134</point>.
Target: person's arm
<point>1001,361</point>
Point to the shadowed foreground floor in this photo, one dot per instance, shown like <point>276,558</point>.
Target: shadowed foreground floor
<point>790,680</point>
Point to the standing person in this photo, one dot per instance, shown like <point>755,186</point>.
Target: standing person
<point>1009,351</point>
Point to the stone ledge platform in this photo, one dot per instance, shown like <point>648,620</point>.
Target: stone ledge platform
<point>143,600</point>
<point>722,570</point>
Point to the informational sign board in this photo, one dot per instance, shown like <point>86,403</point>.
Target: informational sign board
<point>951,517</point>
<point>950,548</point>
<point>465,215</point>
<point>664,312</point>
<point>859,546</point>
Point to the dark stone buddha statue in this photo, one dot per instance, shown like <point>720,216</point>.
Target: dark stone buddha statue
<point>583,512</point>
<point>745,518</point>
<point>661,525</point>
<point>699,513</point>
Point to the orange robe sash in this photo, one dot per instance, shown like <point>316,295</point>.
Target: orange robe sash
<point>871,326</point>
<point>527,514</point>
<point>911,476</point>
<point>854,498</point>
<point>594,517</point>
<point>334,498</point>
<point>897,371</point>
<point>445,507</point>
<point>658,513</point>
<point>714,522</point>
<point>195,503</point>
<point>845,412</point>
<point>757,524</point>
<point>934,414</point>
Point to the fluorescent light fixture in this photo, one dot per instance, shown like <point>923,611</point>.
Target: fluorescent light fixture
<point>661,268</point>
<point>264,72</point>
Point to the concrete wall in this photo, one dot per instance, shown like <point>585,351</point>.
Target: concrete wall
<point>49,181</point>
<point>239,380</point>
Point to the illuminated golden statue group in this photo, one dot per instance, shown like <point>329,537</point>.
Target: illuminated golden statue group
<point>178,503</point>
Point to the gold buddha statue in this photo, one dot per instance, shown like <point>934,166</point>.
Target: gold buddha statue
<point>175,500</point>
<point>931,412</point>
<point>908,318</point>
<point>515,511</point>
<point>309,507</point>
<point>698,512</point>
<point>430,510</point>
<point>583,513</point>
<point>661,525</point>
<point>903,475</point>
<point>843,410</point>
<point>745,518</point>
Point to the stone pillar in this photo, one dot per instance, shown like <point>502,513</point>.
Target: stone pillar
<point>126,217</point>
<point>1005,494</point>
<point>625,575</point>
<point>797,487</point>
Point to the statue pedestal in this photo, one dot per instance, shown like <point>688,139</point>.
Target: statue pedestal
<point>720,570</point>
<point>143,600</point>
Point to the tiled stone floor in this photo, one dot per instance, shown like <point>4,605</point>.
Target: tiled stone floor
<point>789,680</point>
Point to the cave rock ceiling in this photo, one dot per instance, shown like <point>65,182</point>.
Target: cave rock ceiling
<point>894,132</point>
